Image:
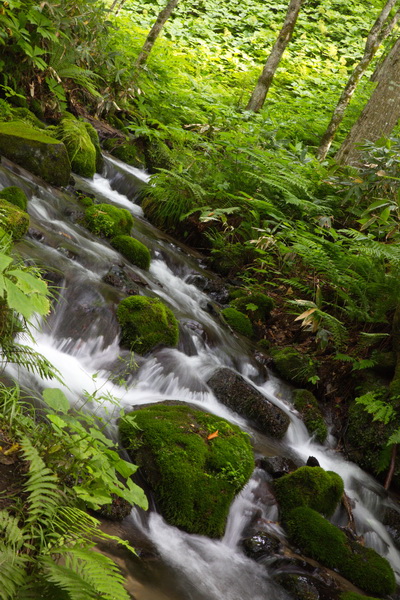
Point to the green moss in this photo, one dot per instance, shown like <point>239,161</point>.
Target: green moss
<point>86,201</point>
<point>256,306</point>
<point>107,220</point>
<point>35,151</point>
<point>15,196</point>
<point>133,250</point>
<point>306,403</point>
<point>13,220</point>
<point>146,323</point>
<point>80,148</point>
<point>128,152</point>
<point>157,155</point>
<point>294,366</point>
<point>24,114</point>
<point>309,486</point>
<point>238,321</point>
<point>94,136</point>
<point>5,111</point>
<point>354,596</point>
<point>321,540</point>
<point>194,478</point>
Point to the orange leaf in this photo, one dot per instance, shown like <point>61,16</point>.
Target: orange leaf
<point>212,435</point>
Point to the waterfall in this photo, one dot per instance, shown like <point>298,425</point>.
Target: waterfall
<point>81,339</point>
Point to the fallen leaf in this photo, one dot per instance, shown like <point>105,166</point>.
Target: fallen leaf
<point>212,435</point>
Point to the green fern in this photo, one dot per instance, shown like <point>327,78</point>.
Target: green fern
<point>379,409</point>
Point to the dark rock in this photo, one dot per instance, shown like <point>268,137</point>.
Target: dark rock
<point>215,288</point>
<point>391,521</point>
<point>233,391</point>
<point>299,586</point>
<point>312,462</point>
<point>116,511</point>
<point>277,464</point>
<point>260,545</point>
<point>125,281</point>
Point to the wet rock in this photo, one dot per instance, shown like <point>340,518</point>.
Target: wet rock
<point>119,278</point>
<point>233,391</point>
<point>391,521</point>
<point>116,511</point>
<point>215,288</point>
<point>299,586</point>
<point>260,545</point>
<point>275,465</point>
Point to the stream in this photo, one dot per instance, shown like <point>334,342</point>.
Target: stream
<point>81,339</point>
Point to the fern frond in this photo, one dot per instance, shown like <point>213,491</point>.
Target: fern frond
<point>10,531</point>
<point>12,572</point>
<point>381,410</point>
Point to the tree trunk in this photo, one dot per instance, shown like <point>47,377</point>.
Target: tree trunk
<point>261,90</point>
<point>381,113</point>
<point>155,32</point>
<point>375,38</point>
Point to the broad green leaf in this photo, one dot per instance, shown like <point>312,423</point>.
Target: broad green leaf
<point>125,468</point>
<point>57,421</point>
<point>18,301</point>
<point>27,282</point>
<point>5,261</point>
<point>56,399</point>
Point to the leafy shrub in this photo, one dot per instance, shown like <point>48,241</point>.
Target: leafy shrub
<point>107,220</point>
<point>195,463</point>
<point>238,321</point>
<point>133,250</point>
<point>146,323</point>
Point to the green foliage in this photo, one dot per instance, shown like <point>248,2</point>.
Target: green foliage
<point>309,486</point>
<point>133,250</point>
<point>15,196</point>
<point>195,463</point>
<point>305,402</point>
<point>146,323</point>
<point>378,408</point>
<point>108,221</point>
<point>354,596</point>
<point>238,321</point>
<point>321,540</point>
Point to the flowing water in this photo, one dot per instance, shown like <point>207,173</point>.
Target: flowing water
<point>81,339</point>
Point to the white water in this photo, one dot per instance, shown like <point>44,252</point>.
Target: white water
<point>208,569</point>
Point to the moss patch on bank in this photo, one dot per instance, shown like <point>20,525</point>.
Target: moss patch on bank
<point>107,220</point>
<point>13,220</point>
<point>195,463</point>
<point>15,196</point>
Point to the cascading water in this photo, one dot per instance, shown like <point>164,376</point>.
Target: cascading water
<point>81,339</point>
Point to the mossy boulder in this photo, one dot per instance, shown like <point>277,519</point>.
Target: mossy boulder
<point>14,195</point>
<point>238,321</point>
<point>319,539</point>
<point>81,150</point>
<point>146,323</point>
<point>36,151</point>
<point>94,136</point>
<point>133,250</point>
<point>306,403</point>
<point>13,220</point>
<point>309,486</point>
<point>355,596</point>
<point>233,391</point>
<point>157,155</point>
<point>107,220</point>
<point>24,114</point>
<point>294,366</point>
<point>256,306</point>
<point>195,463</point>
<point>126,151</point>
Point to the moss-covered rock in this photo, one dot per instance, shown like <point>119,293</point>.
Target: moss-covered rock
<point>77,140</point>
<point>238,321</point>
<point>133,250</point>
<point>157,155</point>
<point>355,596</point>
<point>24,114</point>
<point>13,220</point>
<point>256,306</point>
<point>294,366</point>
<point>319,539</point>
<point>309,486</point>
<point>146,323</point>
<point>233,391</point>
<point>306,403</point>
<point>36,151</point>
<point>195,463</point>
<point>128,152</point>
<point>107,220</point>
<point>14,195</point>
<point>94,136</point>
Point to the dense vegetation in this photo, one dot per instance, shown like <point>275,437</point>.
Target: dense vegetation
<point>312,246</point>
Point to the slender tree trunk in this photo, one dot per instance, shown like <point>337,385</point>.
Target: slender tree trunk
<point>392,467</point>
<point>375,38</point>
<point>155,32</point>
<point>261,90</point>
<point>381,113</point>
